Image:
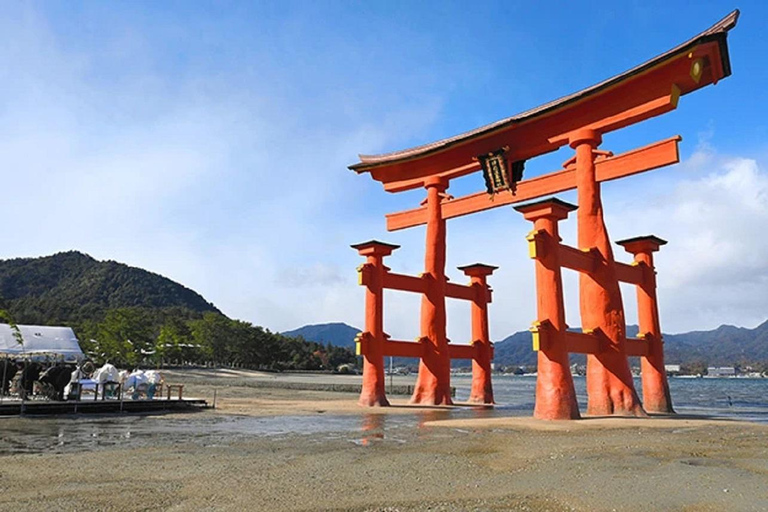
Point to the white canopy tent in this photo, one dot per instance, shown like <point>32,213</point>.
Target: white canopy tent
<point>40,340</point>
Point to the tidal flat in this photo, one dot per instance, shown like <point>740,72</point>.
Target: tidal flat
<point>277,449</point>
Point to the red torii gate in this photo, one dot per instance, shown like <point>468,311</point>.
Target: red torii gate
<point>373,344</point>
<point>500,150</point>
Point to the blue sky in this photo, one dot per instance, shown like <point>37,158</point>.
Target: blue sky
<point>208,142</point>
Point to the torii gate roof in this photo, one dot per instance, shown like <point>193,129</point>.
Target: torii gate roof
<point>534,131</point>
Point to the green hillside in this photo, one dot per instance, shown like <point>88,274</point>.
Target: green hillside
<point>129,316</point>
<point>72,288</point>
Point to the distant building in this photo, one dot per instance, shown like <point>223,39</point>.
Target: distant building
<point>721,371</point>
<point>672,369</point>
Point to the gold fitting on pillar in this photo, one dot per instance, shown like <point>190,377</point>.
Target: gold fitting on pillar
<point>361,343</point>
<point>536,338</point>
<point>539,332</point>
<point>536,244</point>
<point>364,274</point>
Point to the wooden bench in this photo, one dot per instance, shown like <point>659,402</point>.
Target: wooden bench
<point>176,387</point>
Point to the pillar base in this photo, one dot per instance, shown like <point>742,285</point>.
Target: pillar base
<point>373,401</point>
<point>430,392</point>
<point>482,399</point>
<point>431,398</point>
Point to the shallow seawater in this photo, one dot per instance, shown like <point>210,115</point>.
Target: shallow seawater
<point>745,399</point>
<point>62,434</point>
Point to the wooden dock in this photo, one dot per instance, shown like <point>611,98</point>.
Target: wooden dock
<point>50,407</point>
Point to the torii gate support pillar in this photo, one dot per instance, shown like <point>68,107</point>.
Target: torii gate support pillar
<point>373,392</point>
<point>555,393</point>
<point>656,395</point>
<point>482,389</point>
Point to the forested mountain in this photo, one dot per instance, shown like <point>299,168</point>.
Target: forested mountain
<point>72,287</point>
<point>129,316</point>
<point>726,345</point>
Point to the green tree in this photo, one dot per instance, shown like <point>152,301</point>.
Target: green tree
<point>214,335</point>
<point>125,337</point>
<point>174,343</point>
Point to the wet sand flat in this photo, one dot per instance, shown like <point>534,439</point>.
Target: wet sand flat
<point>487,462</point>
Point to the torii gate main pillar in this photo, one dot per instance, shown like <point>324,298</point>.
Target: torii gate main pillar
<point>433,385</point>
<point>609,380</point>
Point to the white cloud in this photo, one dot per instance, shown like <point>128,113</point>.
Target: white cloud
<point>715,268</point>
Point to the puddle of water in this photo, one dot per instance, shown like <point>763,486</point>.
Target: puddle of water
<point>64,434</point>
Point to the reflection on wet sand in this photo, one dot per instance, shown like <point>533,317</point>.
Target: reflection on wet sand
<point>483,411</point>
<point>432,415</point>
<point>381,426</point>
<point>373,428</point>
<point>83,433</point>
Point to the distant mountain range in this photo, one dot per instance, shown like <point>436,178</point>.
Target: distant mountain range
<point>726,345</point>
<point>72,287</point>
<point>337,334</point>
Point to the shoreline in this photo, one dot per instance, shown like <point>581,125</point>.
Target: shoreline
<point>397,458</point>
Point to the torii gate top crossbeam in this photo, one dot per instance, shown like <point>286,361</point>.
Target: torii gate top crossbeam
<point>649,89</point>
